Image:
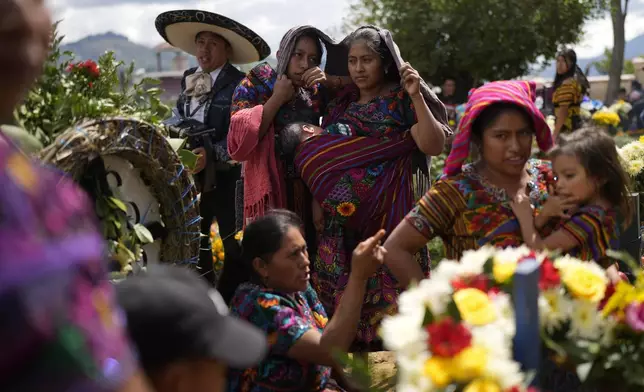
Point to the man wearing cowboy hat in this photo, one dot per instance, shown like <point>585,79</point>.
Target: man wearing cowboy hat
<point>217,42</point>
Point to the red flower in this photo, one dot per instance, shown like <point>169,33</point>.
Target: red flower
<point>448,338</point>
<point>610,290</point>
<point>480,282</point>
<point>549,275</point>
<point>88,67</point>
<point>91,68</point>
<point>360,189</point>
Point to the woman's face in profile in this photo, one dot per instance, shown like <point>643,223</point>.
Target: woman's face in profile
<point>365,66</point>
<point>288,270</point>
<point>507,143</point>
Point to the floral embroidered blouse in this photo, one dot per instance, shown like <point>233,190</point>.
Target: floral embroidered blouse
<point>467,212</point>
<point>284,318</point>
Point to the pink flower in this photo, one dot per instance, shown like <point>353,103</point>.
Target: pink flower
<point>635,316</point>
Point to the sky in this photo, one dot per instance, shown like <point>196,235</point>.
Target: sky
<point>269,18</point>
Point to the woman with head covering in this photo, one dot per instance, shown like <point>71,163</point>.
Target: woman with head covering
<point>470,205</point>
<point>264,102</point>
<point>364,181</point>
<point>570,86</point>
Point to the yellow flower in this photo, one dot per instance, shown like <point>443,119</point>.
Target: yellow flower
<point>503,271</point>
<point>217,245</point>
<point>469,364</point>
<point>624,294</point>
<point>346,208</point>
<point>475,306</point>
<point>20,170</point>
<point>641,140</point>
<point>221,256</point>
<point>239,236</point>
<point>584,283</point>
<point>482,385</point>
<point>438,370</point>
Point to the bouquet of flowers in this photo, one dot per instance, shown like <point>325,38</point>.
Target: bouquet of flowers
<point>593,325</point>
<point>454,331</point>
<point>632,158</point>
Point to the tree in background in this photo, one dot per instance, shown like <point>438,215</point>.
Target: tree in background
<point>603,65</point>
<point>618,11</point>
<point>477,40</point>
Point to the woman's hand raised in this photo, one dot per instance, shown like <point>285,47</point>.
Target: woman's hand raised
<point>410,79</point>
<point>368,256</point>
<point>313,76</point>
<point>283,90</point>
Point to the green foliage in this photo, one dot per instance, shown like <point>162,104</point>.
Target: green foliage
<point>603,66</point>
<point>67,93</point>
<point>478,40</point>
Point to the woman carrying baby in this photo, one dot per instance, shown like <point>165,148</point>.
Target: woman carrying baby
<point>359,170</point>
<point>264,102</point>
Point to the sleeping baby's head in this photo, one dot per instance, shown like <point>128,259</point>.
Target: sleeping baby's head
<point>295,133</point>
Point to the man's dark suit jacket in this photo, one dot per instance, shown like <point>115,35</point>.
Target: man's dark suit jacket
<point>220,201</point>
<point>217,109</point>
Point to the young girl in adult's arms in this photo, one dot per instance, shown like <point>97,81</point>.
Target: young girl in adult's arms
<point>589,173</point>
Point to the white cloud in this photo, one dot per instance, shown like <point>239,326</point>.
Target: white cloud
<point>269,18</point>
<point>599,34</point>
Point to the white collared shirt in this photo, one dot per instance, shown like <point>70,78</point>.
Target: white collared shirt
<point>199,115</point>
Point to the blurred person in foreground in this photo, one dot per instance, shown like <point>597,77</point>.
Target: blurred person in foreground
<point>59,328</point>
<point>185,338</point>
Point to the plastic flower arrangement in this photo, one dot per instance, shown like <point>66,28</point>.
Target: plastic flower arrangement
<point>632,159</point>
<point>454,331</point>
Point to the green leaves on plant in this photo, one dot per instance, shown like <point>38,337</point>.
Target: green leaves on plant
<point>143,234</point>
<point>61,98</point>
<point>188,158</point>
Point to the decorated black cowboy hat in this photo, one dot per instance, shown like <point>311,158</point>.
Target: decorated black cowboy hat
<point>180,28</point>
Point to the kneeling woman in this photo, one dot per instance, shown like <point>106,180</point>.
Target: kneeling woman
<point>271,290</point>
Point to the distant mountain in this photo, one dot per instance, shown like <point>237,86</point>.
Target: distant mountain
<point>634,48</point>
<point>93,46</point>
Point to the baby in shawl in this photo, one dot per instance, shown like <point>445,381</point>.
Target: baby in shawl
<point>297,133</point>
<point>324,157</point>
